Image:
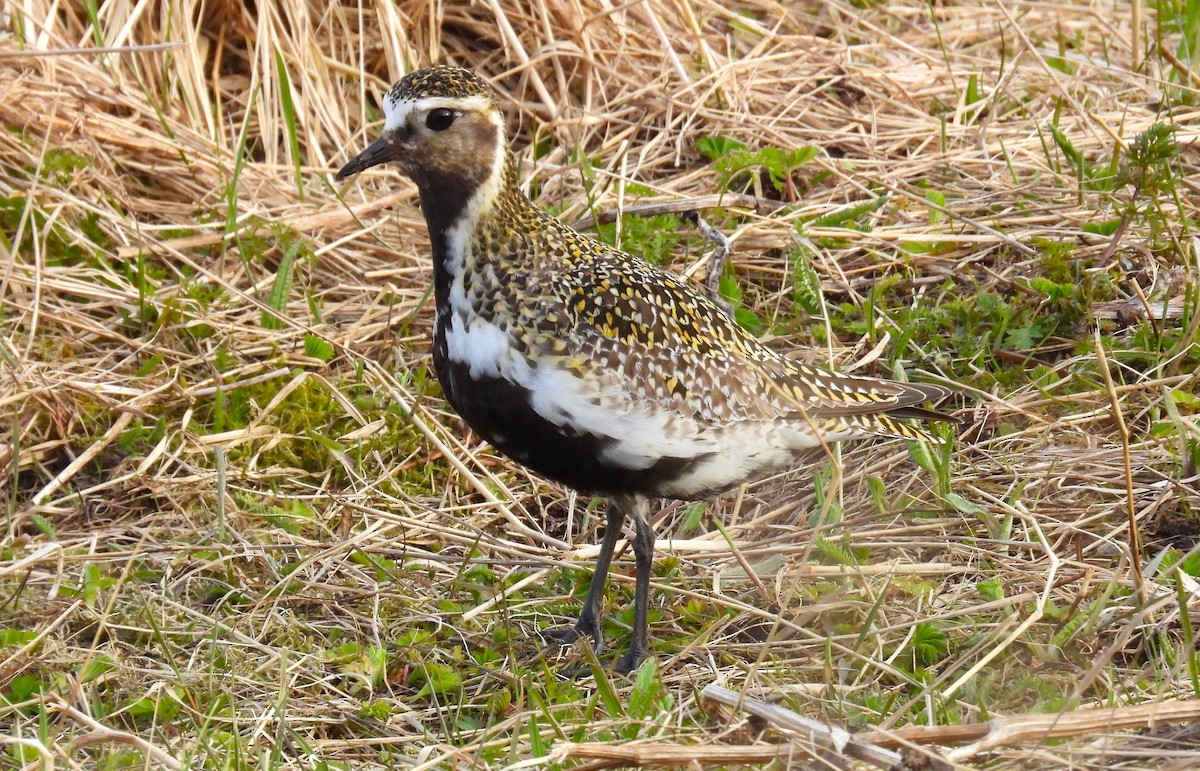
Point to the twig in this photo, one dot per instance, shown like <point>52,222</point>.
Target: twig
<point>824,735</point>
<point>1135,545</point>
<point>1135,33</point>
<point>323,219</point>
<point>717,258</point>
<point>1184,70</point>
<point>102,734</point>
<point>136,49</point>
<point>1018,729</point>
<point>998,732</point>
<point>95,448</point>
<point>44,756</point>
<point>666,755</point>
<point>896,189</point>
<point>1115,241</point>
<point>679,206</point>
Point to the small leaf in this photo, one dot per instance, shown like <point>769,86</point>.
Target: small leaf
<point>972,88</point>
<point>537,745</point>
<point>802,155</point>
<point>963,506</point>
<point>834,552</point>
<point>1185,399</point>
<point>990,589</point>
<point>842,217</point>
<point>96,667</point>
<point>379,709</point>
<point>1162,430</point>
<point>438,679</point>
<point>806,285</point>
<point>160,708</point>
<point>23,687</point>
<point>928,643</point>
<point>1104,228</point>
<point>878,493</point>
<point>289,118</point>
<point>317,348</point>
<point>691,517</point>
<point>608,694</point>
<point>1023,338</point>
<point>1055,290</point>
<point>938,199</point>
<point>749,321</point>
<point>43,525</point>
<point>920,454</point>
<point>1191,564</point>
<point>1149,163</point>
<point>16,636</point>
<point>646,696</point>
<point>93,582</point>
<point>716,147</point>
<point>282,286</point>
<point>343,654</point>
<point>1068,149</point>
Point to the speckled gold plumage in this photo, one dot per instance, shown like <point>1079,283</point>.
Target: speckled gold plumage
<point>582,304</point>
<point>443,81</point>
<point>587,364</point>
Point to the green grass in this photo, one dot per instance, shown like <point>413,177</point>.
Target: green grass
<point>263,541</point>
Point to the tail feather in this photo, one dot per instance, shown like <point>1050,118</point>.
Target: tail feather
<point>883,422</point>
<point>920,413</point>
<point>823,393</point>
<point>884,425</point>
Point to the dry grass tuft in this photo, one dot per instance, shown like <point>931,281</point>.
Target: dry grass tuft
<point>242,529</point>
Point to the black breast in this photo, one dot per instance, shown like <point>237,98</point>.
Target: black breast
<point>500,411</point>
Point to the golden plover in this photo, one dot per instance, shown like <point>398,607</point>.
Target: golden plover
<point>587,364</point>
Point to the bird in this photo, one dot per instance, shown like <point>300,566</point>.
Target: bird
<point>590,366</point>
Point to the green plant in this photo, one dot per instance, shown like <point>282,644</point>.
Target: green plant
<point>738,166</point>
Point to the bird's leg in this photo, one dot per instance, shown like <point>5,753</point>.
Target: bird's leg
<point>643,553</point>
<point>589,615</point>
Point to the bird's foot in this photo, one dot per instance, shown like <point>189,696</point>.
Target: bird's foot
<point>632,659</point>
<point>560,638</point>
<point>565,637</point>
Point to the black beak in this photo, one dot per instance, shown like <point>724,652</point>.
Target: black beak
<point>380,151</point>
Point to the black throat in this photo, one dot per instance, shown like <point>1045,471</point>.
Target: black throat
<point>443,205</point>
<point>447,182</point>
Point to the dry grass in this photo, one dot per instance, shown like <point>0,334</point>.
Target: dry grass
<point>243,530</point>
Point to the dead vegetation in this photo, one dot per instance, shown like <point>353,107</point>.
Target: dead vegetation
<point>243,530</point>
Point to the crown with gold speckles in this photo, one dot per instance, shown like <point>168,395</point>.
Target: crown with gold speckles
<point>441,81</point>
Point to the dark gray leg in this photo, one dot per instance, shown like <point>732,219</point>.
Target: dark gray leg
<point>643,553</point>
<point>589,615</point>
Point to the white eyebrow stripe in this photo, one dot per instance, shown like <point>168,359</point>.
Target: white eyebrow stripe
<point>396,111</point>
<point>477,103</point>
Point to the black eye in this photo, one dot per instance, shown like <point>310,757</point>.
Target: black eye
<point>440,119</point>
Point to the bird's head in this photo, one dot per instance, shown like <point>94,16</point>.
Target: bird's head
<point>443,127</point>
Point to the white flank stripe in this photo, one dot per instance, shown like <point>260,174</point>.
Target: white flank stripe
<point>482,346</point>
<point>641,435</point>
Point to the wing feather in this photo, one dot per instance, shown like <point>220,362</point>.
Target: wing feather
<point>655,341</point>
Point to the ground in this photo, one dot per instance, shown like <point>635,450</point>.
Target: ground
<point>243,530</point>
